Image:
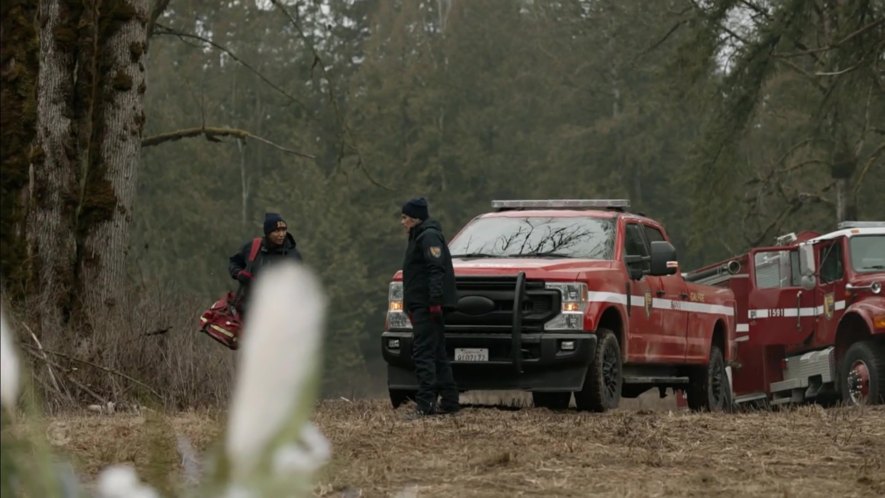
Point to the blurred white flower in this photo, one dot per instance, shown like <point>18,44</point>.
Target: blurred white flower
<point>9,369</point>
<point>276,386</point>
<point>121,481</point>
<point>306,457</point>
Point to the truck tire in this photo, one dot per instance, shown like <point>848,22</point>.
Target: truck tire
<point>400,396</point>
<point>602,385</point>
<point>553,401</point>
<point>862,378</point>
<point>708,388</point>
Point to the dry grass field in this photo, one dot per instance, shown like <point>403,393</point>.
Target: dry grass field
<point>501,451</point>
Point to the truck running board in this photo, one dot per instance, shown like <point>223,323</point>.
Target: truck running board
<point>749,398</point>
<point>655,380</point>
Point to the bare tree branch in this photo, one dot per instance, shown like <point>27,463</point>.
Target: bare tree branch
<point>318,61</point>
<point>858,32</point>
<point>106,369</point>
<point>875,155</point>
<point>796,204</point>
<point>165,30</point>
<point>802,164</point>
<point>52,378</point>
<point>156,11</point>
<point>734,35</point>
<point>755,8</point>
<point>211,134</point>
<point>839,73</point>
<point>811,77</point>
<point>665,37</point>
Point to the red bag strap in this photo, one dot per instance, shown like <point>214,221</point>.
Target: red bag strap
<point>253,252</point>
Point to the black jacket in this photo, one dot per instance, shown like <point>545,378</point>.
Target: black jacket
<point>428,276</point>
<point>266,256</point>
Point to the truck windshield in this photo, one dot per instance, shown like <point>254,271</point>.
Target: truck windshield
<point>868,253</point>
<point>500,237</point>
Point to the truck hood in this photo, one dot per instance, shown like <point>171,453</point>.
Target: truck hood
<point>865,280</point>
<point>554,268</point>
<point>868,278</point>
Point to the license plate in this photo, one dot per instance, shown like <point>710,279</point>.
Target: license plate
<point>471,354</point>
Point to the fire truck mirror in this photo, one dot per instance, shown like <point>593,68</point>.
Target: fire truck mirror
<point>663,258</point>
<point>807,282</point>
<point>806,266</point>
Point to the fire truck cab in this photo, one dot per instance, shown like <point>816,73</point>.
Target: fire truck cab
<point>583,297</point>
<point>811,316</point>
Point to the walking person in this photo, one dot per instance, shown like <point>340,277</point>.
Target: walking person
<point>259,254</point>
<point>428,294</point>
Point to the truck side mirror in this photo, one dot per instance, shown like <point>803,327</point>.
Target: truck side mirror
<point>807,268</point>
<point>663,259</point>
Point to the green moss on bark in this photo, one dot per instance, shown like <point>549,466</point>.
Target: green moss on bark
<point>121,81</point>
<point>19,48</point>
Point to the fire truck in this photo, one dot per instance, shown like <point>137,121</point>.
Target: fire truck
<point>811,316</point>
<point>563,297</point>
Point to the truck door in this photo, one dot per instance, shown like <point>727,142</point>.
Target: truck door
<point>672,319</point>
<point>640,346</point>
<point>779,311</point>
<point>829,295</point>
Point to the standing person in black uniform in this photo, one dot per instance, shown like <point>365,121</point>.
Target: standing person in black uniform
<point>428,294</point>
<point>277,245</point>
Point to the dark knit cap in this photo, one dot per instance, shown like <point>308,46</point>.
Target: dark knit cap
<point>416,208</point>
<point>271,221</point>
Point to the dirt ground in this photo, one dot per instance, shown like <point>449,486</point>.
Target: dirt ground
<point>643,449</point>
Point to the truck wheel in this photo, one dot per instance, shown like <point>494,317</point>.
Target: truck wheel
<point>400,396</point>
<point>708,387</point>
<point>602,386</point>
<point>863,374</point>
<point>553,401</point>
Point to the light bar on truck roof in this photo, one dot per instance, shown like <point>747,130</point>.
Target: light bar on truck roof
<point>860,224</point>
<point>561,204</point>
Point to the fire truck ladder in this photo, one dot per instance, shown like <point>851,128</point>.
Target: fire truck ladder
<point>714,276</point>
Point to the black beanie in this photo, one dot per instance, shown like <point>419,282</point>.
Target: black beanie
<point>271,221</point>
<point>416,208</point>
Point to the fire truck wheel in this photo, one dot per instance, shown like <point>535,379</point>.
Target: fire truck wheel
<point>400,396</point>
<point>553,401</point>
<point>602,386</point>
<point>708,386</point>
<point>863,374</point>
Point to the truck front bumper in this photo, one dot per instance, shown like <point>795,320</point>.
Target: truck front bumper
<point>544,364</point>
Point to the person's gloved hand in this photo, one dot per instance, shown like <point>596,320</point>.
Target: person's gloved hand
<point>435,311</point>
<point>244,277</point>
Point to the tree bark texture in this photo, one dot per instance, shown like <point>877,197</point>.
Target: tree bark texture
<point>90,116</point>
<point>53,183</point>
<point>119,123</point>
<point>19,53</point>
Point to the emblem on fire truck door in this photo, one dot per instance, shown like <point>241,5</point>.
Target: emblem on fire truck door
<point>648,302</point>
<point>829,305</point>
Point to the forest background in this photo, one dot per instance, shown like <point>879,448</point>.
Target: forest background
<point>730,121</point>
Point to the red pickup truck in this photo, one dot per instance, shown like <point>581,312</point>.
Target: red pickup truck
<point>573,296</point>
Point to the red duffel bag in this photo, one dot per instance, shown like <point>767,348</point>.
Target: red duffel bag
<point>223,321</point>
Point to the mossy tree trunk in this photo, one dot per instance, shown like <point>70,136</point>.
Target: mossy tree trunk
<point>90,115</point>
<point>112,175</point>
<point>19,49</point>
<point>53,177</point>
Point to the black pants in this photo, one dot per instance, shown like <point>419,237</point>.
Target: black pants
<point>432,366</point>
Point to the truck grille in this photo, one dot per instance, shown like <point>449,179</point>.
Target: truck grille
<point>485,304</point>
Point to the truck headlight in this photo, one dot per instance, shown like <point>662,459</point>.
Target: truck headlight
<point>396,315</point>
<point>574,300</point>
